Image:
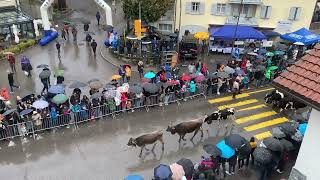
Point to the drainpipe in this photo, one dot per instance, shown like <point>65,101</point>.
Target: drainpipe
<point>36,22</point>
<point>107,10</point>
<point>44,15</point>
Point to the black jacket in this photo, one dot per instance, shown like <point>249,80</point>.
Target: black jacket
<point>10,78</point>
<point>94,44</point>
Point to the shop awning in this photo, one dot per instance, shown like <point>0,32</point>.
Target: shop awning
<point>11,16</point>
<point>234,32</point>
<point>303,36</point>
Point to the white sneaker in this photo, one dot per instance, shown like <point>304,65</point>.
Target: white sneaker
<point>24,140</point>
<point>11,143</point>
<point>218,93</point>
<point>232,173</point>
<point>227,172</point>
<point>280,172</point>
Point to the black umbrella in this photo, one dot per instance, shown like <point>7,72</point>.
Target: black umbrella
<point>223,75</point>
<point>151,88</point>
<point>262,155</point>
<point>187,166</point>
<point>96,95</point>
<point>277,133</point>
<point>27,97</point>
<point>289,128</point>
<point>287,145</point>
<point>26,111</point>
<point>273,144</point>
<point>77,84</point>
<point>212,150</point>
<point>8,112</point>
<point>173,35</point>
<point>245,149</point>
<point>213,75</point>
<point>235,140</point>
<point>45,74</point>
<point>43,66</point>
<point>135,89</point>
<point>85,21</point>
<point>107,28</point>
<point>298,117</point>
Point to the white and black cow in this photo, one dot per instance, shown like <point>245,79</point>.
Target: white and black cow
<point>273,97</point>
<point>220,115</point>
<point>282,102</point>
<point>294,105</point>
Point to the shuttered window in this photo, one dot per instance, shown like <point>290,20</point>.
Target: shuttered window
<point>195,7</point>
<point>265,12</point>
<point>294,13</point>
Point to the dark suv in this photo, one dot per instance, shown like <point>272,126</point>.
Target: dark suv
<point>188,50</point>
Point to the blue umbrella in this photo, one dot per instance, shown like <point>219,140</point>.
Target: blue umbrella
<point>162,172</point>
<point>26,111</point>
<point>150,75</point>
<point>226,151</point>
<point>166,68</point>
<point>303,128</point>
<point>134,177</point>
<point>240,72</point>
<point>279,53</point>
<point>168,75</point>
<point>40,104</point>
<point>57,89</point>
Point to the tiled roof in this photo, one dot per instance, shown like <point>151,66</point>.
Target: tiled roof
<point>303,78</point>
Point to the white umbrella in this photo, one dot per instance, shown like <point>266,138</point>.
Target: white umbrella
<point>252,54</point>
<point>299,43</point>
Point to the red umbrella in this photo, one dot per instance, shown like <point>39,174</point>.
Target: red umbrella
<point>172,82</point>
<point>185,78</point>
<point>200,78</point>
<point>192,76</point>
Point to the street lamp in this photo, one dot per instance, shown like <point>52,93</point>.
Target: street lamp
<point>237,24</point>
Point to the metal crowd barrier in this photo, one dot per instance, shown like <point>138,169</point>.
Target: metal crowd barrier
<point>28,128</point>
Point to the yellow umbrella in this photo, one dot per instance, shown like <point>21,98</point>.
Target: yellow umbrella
<point>8,53</point>
<point>116,77</point>
<point>201,35</point>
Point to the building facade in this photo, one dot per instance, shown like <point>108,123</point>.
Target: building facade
<point>279,15</point>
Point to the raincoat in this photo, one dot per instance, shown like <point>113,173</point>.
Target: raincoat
<point>5,94</point>
<point>192,87</point>
<point>53,114</point>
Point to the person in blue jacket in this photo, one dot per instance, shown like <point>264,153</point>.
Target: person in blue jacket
<point>192,88</point>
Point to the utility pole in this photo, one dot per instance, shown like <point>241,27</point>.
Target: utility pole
<point>139,38</point>
<point>235,32</point>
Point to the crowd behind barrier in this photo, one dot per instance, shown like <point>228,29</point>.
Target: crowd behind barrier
<point>31,128</point>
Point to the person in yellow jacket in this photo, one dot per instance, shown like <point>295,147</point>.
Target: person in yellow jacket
<point>128,73</point>
<point>253,145</point>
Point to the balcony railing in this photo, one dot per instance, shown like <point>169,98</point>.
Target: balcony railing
<point>242,21</point>
<point>246,1</point>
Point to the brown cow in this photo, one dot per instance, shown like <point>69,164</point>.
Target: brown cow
<point>187,127</point>
<point>146,139</point>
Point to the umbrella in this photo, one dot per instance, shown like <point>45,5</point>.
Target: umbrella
<point>45,74</point>
<point>277,133</point>
<point>279,53</point>
<point>226,151</point>
<point>115,77</point>
<point>302,128</point>
<point>59,72</point>
<point>200,78</point>
<point>95,85</point>
<point>201,35</point>
<point>289,128</point>
<point>110,86</point>
<point>151,88</point>
<point>40,104</point>
<point>245,149</point>
<point>26,111</point>
<point>172,82</point>
<point>297,136</point>
<point>59,99</point>
<point>77,84</point>
<point>298,117</point>
<point>262,51</point>
<point>110,94</point>
<point>150,75</point>
<point>43,66</point>
<point>135,89</point>
<point>260,68</point>
<point>173,35</point>
<point>8,112</point>
<point>85,21</point>
<point>168,75</point>
<point>235,140</point>
<point>27,97</point>
<point>240,72</point>
<point>272,68</point>
<point>229,70</point>
<point>281,47</point>
<point>223,75</point>
<point>273,144</point>
<point>132,37</point>
<point>25,61</point>
<point>8,53</point>
<point>123,89</point>
<point>262,155</point>
<point>270,54</point>
<point>177,171</point>
<point>299,43</point>
<point>56,89</point>
<point>93,80</point>
<point>134,177</point>
<point>185,77</point>
<point>252,54</point>
<point>162,172</point>
<point>144,80</point>
<point>287,145</point>
<point>107,28</point>
<point>96,95</point>
<point>213,75</point>
<point>167,68</point>
<point>187,166</point>
<point>212,150</point>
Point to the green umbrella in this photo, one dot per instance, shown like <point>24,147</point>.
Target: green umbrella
<point>59,99</point>
<point>269,54</point>
<point>59,72</point>
<point>272,68</point>
<point>279,53</point>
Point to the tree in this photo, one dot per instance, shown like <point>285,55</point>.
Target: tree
<point>151,10</point>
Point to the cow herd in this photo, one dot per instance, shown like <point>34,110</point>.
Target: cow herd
<point>276,98</point>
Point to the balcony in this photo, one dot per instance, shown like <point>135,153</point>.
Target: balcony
<point>242,21</point>
<point>246,2</point>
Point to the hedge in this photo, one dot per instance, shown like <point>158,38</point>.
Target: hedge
<point>18,48</point>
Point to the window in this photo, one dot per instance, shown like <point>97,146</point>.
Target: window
<point>294,13</point>
<point>247,11</point>
<point>195,6</point>
<point>265,12</point>
<point>221,8</point>
<point>165,27</point>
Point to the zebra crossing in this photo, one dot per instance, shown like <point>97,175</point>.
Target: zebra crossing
<point>252,114</point>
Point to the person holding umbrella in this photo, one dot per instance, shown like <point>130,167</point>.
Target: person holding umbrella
<point>26,66</point>
<point>12,62</point>
<point>94,46</point>
<point>86,27</point>
<point>88,38</point>
<point>63,34</point>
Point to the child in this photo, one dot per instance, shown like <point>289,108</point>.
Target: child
<point>245,82</point>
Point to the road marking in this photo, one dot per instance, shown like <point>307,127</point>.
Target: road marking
<point>228,98</point>
<point>255,117</point>
<point>239,96</point>
<point>252,107</point>
<point>263,135</point>
<point>241,103</point>
<point>266,124</point>
<point>259,91</point>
